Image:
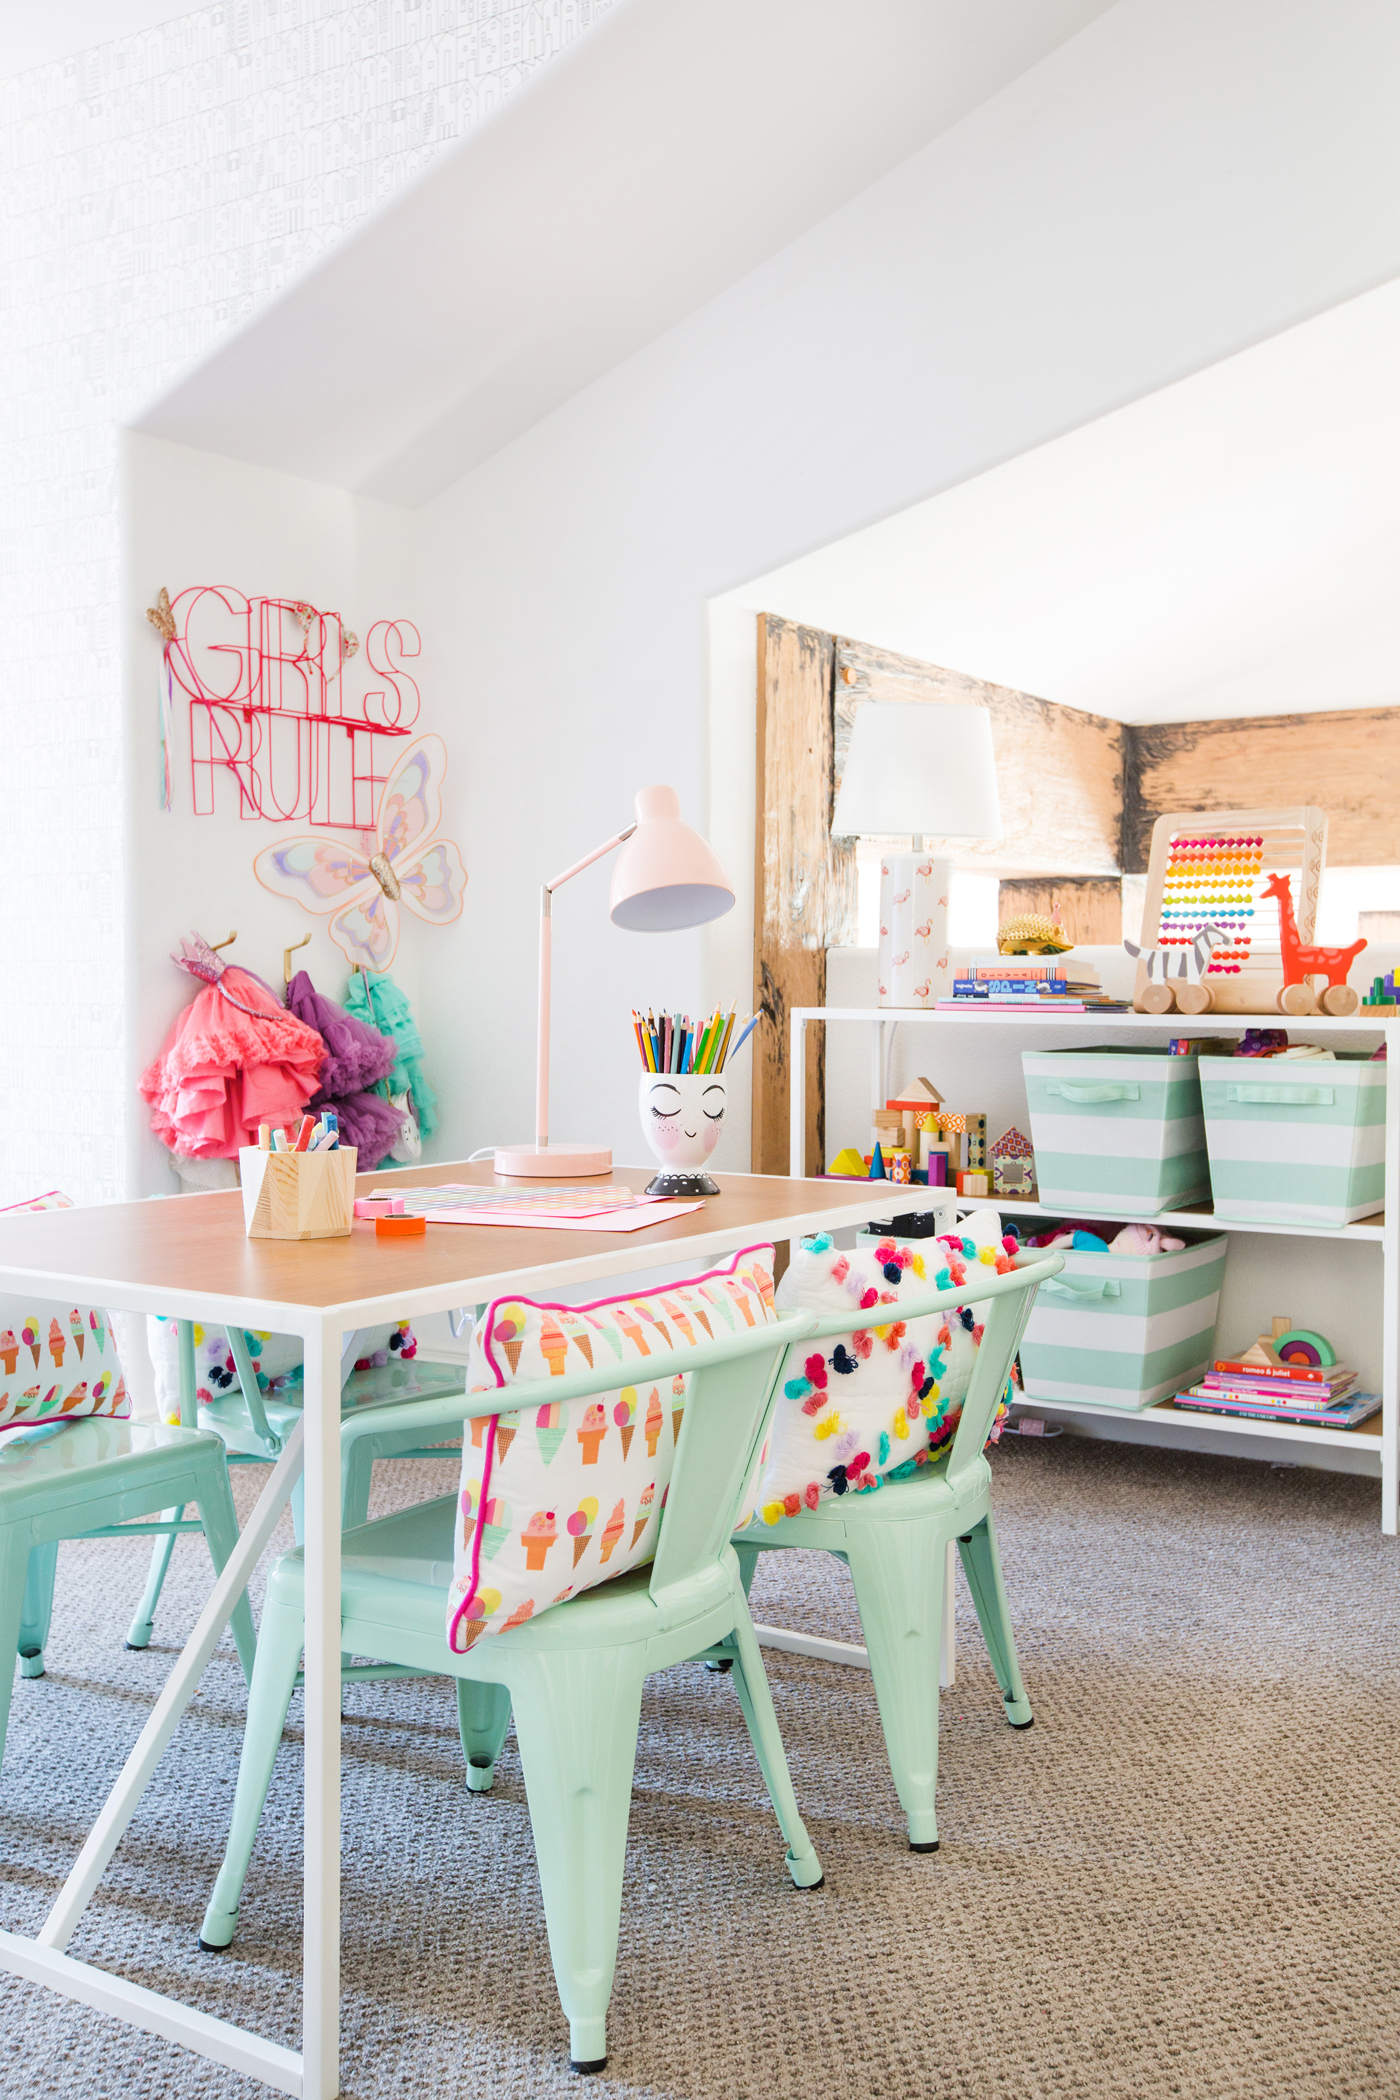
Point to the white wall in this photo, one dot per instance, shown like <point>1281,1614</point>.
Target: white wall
<point>192,518</point>
<point>160,187</point>
<point>1184,178</point>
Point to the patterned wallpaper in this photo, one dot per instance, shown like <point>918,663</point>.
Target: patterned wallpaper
<point>154,192</point>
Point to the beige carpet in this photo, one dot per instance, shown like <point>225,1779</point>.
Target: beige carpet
<point>1182,1881</point>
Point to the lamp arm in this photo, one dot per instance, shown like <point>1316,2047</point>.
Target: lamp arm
<point>546,924</point>
<point>608,845</point>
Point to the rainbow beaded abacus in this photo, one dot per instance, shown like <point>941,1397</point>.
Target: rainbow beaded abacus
<point>1210,868</point>
<point>1213,878</point>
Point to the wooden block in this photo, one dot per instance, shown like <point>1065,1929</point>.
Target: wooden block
<point>297,1195</point>
<point>1011,1176</point>
<point>975,1181</point>
<point>923,1094</point>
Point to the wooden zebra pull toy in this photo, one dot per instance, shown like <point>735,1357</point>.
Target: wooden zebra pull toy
<point>1176,976</point>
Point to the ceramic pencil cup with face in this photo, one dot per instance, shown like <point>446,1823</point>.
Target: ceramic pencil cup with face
<point>682,1117</point>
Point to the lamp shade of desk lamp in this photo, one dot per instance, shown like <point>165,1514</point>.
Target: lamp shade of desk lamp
<point>667,878</point>
<point>926,771</point>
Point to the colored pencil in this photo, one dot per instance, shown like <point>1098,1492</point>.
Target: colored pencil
<point>744,1035</point>
<point>727,1029</point>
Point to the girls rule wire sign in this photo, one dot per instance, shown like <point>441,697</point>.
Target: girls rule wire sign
<point>284,707</point>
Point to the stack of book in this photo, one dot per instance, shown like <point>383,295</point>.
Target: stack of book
<point>1012,983</point>
<point>1323,1394</point>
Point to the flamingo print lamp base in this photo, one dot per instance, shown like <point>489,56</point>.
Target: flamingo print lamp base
<point>914,969</point>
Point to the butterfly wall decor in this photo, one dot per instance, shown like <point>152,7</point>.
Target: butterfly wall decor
<point>400,862</point>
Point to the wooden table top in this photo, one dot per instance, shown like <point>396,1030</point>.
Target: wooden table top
<point>189,1254</point>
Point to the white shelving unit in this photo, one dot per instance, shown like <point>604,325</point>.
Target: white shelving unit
<point>1233,1432</point>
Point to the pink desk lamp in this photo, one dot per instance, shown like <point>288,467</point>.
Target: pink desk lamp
<point>666,879</point>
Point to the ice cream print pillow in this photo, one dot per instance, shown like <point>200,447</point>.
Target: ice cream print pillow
<point>57,1362</point>
<point>556,1497</point>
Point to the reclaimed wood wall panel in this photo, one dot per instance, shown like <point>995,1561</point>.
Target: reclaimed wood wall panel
<point>1059,769</point>
<point>793,877</point>
<point>1089,907</point>
<point>1348,762</point>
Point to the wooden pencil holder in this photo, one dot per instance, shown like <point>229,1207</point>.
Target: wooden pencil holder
<point>297,1195</point>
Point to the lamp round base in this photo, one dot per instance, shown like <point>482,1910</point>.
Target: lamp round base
<point>553,1162</point>
<point>682,1185</point>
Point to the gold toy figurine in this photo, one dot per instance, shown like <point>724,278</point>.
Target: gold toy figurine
<point>1032,934</point>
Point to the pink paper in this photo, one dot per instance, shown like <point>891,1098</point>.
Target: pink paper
<point>630,1220</point>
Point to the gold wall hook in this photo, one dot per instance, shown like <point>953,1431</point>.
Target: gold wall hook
<point>217,945</point>
<point>288,953</point>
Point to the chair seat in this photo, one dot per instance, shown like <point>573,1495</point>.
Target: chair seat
<point>55,1451</point>
<point>227,1412</point>
<point>396,1572</point>
<point>923,1498</point>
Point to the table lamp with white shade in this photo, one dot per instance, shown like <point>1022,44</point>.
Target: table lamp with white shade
<point>666,878</point>
<point>928,770</point>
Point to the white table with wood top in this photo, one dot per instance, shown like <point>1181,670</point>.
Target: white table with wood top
<point>189,1258</point>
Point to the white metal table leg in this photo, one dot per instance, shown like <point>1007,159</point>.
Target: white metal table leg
<point>797,1096</point>
<point>1390,1290</point>
<point>321,1900</point>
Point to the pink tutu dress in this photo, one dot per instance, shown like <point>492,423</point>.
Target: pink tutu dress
<point>225,1068</point>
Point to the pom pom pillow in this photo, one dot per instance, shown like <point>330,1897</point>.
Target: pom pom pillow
<point>556,1497</point>
<point>276,1358</point>
<point>884,1400</point>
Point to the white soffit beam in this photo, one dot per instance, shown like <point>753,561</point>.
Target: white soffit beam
<point>1226,546</point>
<point>671,151</point>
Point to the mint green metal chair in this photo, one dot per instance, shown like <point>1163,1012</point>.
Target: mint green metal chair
<point>573,1675</point>
<point>254,1426</point>
<point>894,1541</point>
<point>90,1479</point>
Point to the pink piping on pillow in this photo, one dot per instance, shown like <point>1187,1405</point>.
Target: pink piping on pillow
<point>596,1304</point>
<point>476,1540</point>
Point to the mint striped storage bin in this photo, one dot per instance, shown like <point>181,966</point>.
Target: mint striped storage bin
<point>1116,1130</point>
<point>1296,1144</point>
<point>1124,1330</point>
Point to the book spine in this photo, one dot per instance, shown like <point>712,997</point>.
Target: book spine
<point>1249,1396</point>
<point>1301,1374</point>
<point>1255,1381</point>
<point>1334,1418</point>
<point>984,986</point>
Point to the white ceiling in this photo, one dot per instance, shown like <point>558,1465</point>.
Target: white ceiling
<point>1229,546</point>
<point>671,151</point>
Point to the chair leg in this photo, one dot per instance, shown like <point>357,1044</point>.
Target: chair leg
<point>982,1567</point>
<point>576,1720</point>
<point>897,1571</point>
<point>483,1716</point>
<point>220,1521</point>
<point>138,1634</point>
<point>355,1483</point>
<point>36,1612</point>
<point>756,1700</point>
<point>14,1569</point>
<point>269,1696</point>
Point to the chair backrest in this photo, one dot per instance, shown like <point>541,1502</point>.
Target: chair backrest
<point>565,1472</point>
<point>731,1397</point>
<point>1009,1299</point>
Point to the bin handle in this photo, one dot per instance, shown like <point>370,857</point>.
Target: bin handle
<point>1283,1096</point>
<point>1106,1090</point>
<point>1081,1287</point>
